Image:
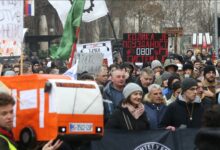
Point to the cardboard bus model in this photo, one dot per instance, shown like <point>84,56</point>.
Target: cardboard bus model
<point>51,105</point>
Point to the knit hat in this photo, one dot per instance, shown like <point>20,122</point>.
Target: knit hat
<point>187,66</point>
<point>188,83</point>
<point>130,88</point>
<point>155,64</point>
<point>209,68</point>
<point>165,76</point>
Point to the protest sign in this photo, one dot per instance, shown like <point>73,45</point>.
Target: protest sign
<point>90,62</point>
<point>11,27</point>
<point>145,47</point>
<point>104,48</point>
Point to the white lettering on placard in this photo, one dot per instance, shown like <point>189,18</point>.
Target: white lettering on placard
<point>144,51</point>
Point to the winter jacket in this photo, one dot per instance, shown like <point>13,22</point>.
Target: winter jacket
<point>178,115</point>
<point>122,119</point>
<point>154,113</point>
<point>112,94</point>
<point>167,92</point>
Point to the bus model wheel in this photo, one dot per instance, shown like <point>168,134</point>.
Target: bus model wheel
<point>28,137</point>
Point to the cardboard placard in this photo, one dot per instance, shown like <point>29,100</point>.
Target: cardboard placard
<point>90,62</point>
<point>104,48</point>
<point>11,27</point>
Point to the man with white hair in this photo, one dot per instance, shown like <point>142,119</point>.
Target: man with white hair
<point>155,105</point>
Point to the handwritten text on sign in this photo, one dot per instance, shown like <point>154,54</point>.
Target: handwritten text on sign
<point>11,27</point>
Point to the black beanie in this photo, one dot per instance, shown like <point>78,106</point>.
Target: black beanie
<point>188,83</point>
<point>209,68</point>
<point>187,66</point>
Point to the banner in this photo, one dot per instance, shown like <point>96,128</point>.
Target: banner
<point>182,139</point>
<point>71,32</point>
<point>93,9</point>
<point>145,47</point>
<point>104,48</point>
<point>11,27</point>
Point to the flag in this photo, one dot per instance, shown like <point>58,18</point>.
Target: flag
<point>93,9</point>
<point>62,8</point>
<point>72,72</point>
<point>29,8</point>
<point>71,30</point>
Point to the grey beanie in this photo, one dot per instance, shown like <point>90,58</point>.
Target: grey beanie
<point>156,63</point>
<point>188,83</point>
<point>166,75</point>
<point>130,88</point>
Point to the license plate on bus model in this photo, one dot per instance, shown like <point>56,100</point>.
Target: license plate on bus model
<point>81,127</point>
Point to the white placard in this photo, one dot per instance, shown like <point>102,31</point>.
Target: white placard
<point>104,47</point>
<point>11,27</point>
<point>90,62</point>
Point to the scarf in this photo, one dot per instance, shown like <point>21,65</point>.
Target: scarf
<point>135,112</point>
<point>7,134</point>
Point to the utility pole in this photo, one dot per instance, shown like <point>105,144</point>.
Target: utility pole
<point>216,29</point>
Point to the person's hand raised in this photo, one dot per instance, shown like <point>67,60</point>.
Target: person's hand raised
<point>50,146</point>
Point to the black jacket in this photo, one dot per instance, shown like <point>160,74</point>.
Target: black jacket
<point>177,114</point>
<point>117,121</point>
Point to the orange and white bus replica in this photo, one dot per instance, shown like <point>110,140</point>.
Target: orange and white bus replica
<point>51,105</point>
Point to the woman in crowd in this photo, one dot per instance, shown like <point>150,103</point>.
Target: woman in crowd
<point>130,114</point>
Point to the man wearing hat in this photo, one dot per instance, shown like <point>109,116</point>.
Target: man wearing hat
<point>209,82</point>
<point>187,110</point>
<point>157,67</point>
<point>188,70</point>
<point>170,66</point>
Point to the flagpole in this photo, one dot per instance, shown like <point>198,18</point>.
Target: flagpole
<point>112,26</point>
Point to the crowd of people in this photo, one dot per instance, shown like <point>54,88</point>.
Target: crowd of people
<point>178,93</point>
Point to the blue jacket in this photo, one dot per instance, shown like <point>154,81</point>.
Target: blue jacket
<point>112,94</point>
<point>154,113</point>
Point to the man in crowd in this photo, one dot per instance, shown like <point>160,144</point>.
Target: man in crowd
<point>155,105</point>
<point>6,122</point>
<point>157,67</point>
<point>170,66</point>
<point>102,76</point>
<point>209,82</point>
<point>145,79</point>
<point>188,70</point>
<point>206,101</point>
<point>113,90</point>
<point>187,110</point>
